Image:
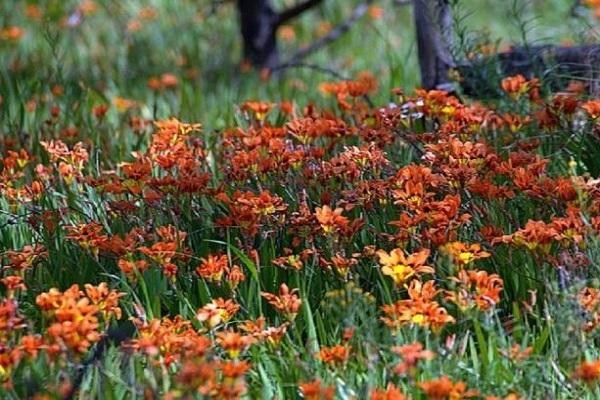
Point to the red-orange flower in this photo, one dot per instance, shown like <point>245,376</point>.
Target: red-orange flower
<point>588,371</point>
<point>444,389</point>
<point>411,354</point>
<point>391,392</point>
<point>335,355</point>
<point>463,253</point>
<point>476,289</point>
<point>233,343</point>
<point>330,220</point>
<point>218,311</point>
<point>315,390</point>
<point>213,267</point>
<point>420,309</point>
<point>287,301</point>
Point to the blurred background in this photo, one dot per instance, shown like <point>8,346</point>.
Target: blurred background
<point>158,58</point>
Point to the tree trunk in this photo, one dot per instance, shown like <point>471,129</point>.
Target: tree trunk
<point>258,23</point>
<point>433,20</point>
<point>481,76</point>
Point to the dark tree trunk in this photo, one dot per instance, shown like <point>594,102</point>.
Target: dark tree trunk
<point>433,20</point>
<point>258,22</point>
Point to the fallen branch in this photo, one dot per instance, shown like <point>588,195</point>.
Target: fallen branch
<point>334,34</point>
<point>553,63</point>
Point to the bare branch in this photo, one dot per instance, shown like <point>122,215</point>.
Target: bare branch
<point>324,70</point>
<point>296,10</point>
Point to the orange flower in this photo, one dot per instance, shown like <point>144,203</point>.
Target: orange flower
<point>514,84</point>
<point>31,345</point>
<point>25,258</point>
<point>511,396</point>
<point>169,81</point>
<point>389,393</point>
<point>376,12</point>
<point>537,235</point>
<point>517,85</point>
<point>314,390</point>
<point>70,162</point>
<point>10,318</point>
<point>234,369</point>
<point>592,3</point>
<point>464,253</point>
<point>248,210</point>
<point>172,339</point>
<point>476,289</point>
<point>13,283</point>
<point>122,104</point>
<point>213,267</point>
<point>363,85</point>
<point>233,343</point>
<point>588,371</point>
<point>400,268</point>
<point>218,311</point>
<point>258,108</point>
<point>106,300</point>
<point>200,376</point>
<point>420,309</point>
<point>330,220</point>
<point>287,302</point>
<point>233,385</point>
<point>235,276</point>
<point>589,300</point>
<point>12,33</point>
<point>287,33</point>
<point>592,107</point>
<point>161,252</point>
<point>335,355</point>
<point>130,268</point>
<point>444,389</point>
<point>271,335</point>
<point>411,354</point>
<point>343,265</point>
<point>76,324</point>
<point>516,353</point>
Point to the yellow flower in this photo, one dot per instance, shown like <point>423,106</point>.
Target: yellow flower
<point>402,268</point>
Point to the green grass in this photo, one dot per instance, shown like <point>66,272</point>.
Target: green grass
<point>52,78</point>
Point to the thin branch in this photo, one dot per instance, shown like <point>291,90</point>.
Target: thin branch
<point>295,11</point>
<point>314,67</point>
<point>334,34</point>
